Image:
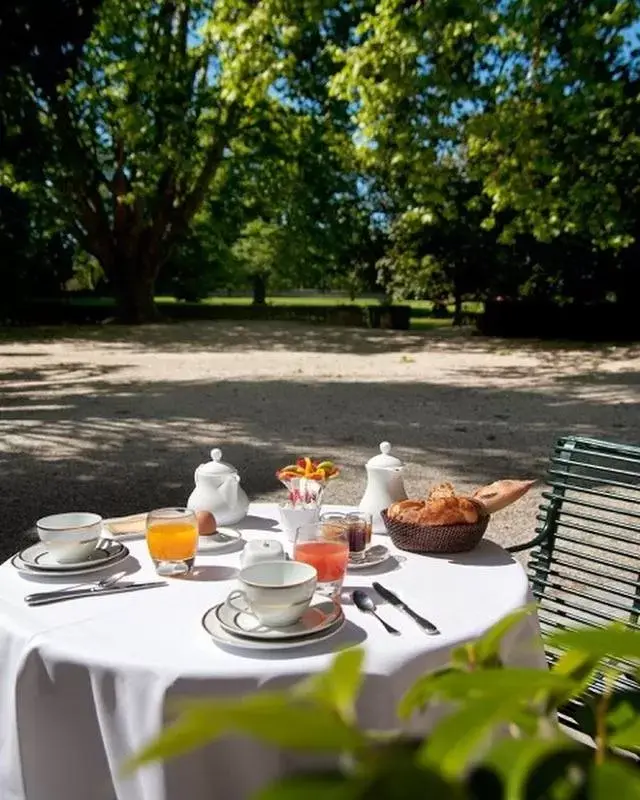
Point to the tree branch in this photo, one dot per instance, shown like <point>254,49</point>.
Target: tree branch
<point>85,175</point>
<point>183,29</point>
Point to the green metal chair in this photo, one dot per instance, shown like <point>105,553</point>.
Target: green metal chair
<point>584,565</point>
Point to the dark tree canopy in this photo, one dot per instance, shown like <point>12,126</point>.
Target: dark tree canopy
<point>445,149</point>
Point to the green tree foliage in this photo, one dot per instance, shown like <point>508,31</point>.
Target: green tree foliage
<point>442,250</point>
<point>41,48</point>
<point>494,147</point>
<point>534,104</point>
<point>35,260</point>
<point>293,209</point>
<point>165,95</point>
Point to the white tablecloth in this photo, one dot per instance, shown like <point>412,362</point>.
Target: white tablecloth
<point>85,683</point>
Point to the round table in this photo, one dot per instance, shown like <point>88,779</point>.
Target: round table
<point>86,682</point>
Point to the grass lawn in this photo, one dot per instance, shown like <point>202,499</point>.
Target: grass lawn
<point>429,323</point>
<point>424,306</point>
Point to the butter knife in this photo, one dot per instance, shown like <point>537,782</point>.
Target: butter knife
<point>392,598</point>
<point>72,594</point>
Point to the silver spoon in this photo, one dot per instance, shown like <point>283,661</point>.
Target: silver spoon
<point>367,606</point>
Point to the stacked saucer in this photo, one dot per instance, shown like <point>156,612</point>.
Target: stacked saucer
<point>233,624</point>
<point>372,557</point>
<point>39,561</point>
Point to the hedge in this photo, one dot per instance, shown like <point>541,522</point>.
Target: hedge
<point>53,312</point>
<point>527,319</point>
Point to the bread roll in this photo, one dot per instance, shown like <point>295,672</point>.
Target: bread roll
<point>398,510</point>
<point>442,490</point>
<point>410,515</point>
<point>500,494</point>
<point>449,511</point>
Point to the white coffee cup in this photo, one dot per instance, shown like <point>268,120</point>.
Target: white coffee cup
<point>70,537</point>
<point>278,592</point>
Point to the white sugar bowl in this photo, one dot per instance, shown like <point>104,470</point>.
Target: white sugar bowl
<point>260,550</point>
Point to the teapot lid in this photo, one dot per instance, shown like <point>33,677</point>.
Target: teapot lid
<point>216,466</point>
<point>385,459</point>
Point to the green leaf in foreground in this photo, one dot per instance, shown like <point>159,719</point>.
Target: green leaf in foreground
<point>271,717</point>
<point>422,691</point>
<point>520,762</point>
<point>459,736</point>
<point>337,687</point>
<point>623,721</point>
<point>612,642</point>
<point>522,684</point>
<point>323,786</point>
<point>578,665</point>
<point>614,780</point>
<point>401,780</point>
<point>487,648</point>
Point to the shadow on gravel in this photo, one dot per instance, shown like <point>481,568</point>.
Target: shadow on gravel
<point>225,336</point>
<point>73,439</point>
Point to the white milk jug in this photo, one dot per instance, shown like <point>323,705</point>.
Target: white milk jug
<point>384,485</point>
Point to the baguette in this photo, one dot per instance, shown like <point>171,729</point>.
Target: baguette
<point>500,494</point>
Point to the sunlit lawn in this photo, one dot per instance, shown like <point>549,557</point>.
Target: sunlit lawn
<point>430,323</point>
<point>424,306</point>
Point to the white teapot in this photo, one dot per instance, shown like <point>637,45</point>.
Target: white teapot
<point>384,485</point>
<point>218,490</point>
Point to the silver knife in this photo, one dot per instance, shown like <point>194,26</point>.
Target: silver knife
<point>72,594</point>
<point>392,598</point>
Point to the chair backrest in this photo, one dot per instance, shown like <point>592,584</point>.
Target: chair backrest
<point>587,570</point>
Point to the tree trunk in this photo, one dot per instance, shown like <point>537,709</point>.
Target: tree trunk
<point>457,310</point>
<point>457,296</point>
<point>133,289</point>
<point>259,289</point>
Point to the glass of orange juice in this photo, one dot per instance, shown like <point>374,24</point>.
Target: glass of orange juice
<point>325,547</point>
<point>172,539</point>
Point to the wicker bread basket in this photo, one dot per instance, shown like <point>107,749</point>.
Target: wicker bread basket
<point>435,538</point>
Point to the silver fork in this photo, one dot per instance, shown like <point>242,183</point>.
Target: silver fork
<point>96,587</point>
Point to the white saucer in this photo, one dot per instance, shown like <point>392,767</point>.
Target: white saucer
<point>220,636</point>
<point>218,541</point>
<point>114,553</point>
<point>39,557</point>
<point>236,618</point>
<point>375,555</point>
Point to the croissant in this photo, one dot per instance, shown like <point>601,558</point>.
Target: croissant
<point>499,494</point>
<point>443,490</point>
<point>405,510</point>
<point>449,511</point>
<point>446,510</point>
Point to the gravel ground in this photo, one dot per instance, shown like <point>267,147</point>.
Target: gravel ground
<point>115,420</point>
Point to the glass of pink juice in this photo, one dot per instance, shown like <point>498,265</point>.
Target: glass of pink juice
<point>326,549</point>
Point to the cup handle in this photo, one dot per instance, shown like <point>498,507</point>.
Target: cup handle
<point>235,595</point>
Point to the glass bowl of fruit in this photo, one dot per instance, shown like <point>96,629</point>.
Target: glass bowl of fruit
<point>305,482</point>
